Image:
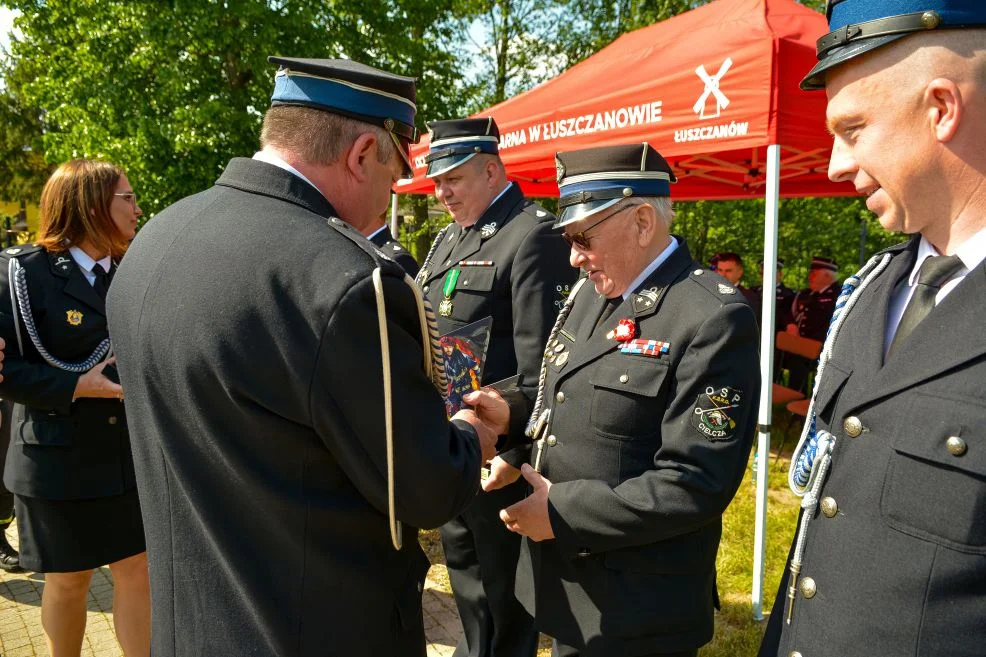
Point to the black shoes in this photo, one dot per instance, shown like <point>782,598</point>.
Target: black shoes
<point>9,559</point>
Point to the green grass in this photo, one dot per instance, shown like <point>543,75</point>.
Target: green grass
<point>736,633</point>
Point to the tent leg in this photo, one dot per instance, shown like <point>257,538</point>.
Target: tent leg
<point>772,192</point>
<point>393,215</point>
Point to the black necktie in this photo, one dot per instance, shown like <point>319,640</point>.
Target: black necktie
<point>935,272</point>
<point>608,309</point>
<point>102,282</point>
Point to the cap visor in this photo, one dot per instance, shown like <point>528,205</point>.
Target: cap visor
<point>446,164</point>
<point>815,80</point>
<point>574,213</point>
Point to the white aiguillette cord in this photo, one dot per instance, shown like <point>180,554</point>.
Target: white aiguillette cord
<point>433,368</point>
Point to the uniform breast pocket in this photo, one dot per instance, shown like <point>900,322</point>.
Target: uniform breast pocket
<point>473,295</point>
<point>935,486</point>
<point>625,398</point>
<point>56,432</point>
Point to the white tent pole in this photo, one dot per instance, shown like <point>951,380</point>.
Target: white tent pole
<point>393,215</point>
<point>772,192</point>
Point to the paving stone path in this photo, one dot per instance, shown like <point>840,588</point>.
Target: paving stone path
<point>20,615</point>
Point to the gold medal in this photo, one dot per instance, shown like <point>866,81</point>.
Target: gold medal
<point>73,317</point>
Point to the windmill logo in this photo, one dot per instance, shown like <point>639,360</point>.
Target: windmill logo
<point>712,89</point>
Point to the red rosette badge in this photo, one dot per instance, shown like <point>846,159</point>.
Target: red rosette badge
<point>626,330</point>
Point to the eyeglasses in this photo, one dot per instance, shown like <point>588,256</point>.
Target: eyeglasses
<point>129,196</point>
<point>581,240</point>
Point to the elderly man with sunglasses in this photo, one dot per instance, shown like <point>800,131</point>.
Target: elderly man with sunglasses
<point>643,423</point>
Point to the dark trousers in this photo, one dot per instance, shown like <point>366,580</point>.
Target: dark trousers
<point>481,555</point>
<point>562,650</point>
<point>6,497</point>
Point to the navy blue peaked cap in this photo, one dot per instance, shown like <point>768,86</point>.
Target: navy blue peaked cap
<point>593,179</point>
<point>859,26</point>
<point>345,87</point>
<point>457,141</point>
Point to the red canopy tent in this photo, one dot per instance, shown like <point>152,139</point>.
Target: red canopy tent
<point>710,89</point>
<point>714,90</point>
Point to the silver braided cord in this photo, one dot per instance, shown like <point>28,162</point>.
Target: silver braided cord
<point>423,272</point>
<point>434,363</point>
<point>803,458</point>
<point>19,297</point>
<point>533,421</point>
<point>812,458</point>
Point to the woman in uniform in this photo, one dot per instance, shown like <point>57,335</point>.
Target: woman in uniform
<point>69,463</point>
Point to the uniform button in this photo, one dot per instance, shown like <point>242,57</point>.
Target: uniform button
<point>560,398</point>
<point>808,588</point>
<point>425,289</point>
<point>829,507</point>
<point>624,378</point>
<point>699,272</point>
<point>956,446</point>
<point>795,653</point>
<point>852,426</point>
<point>465,283</point>
<point>112,419</point>
<point>552,441</point>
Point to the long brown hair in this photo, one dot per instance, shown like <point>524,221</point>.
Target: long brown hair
<point>75,208</point>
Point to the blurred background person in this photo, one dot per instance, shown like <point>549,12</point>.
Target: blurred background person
<point>783,300</point>
<point>810,315</point>
<point>379,234</point>
<point>729,265</point>
<point>69,463</point>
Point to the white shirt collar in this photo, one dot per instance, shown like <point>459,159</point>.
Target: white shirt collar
<point>971,252</point>
<point>270,158</point>
<point>651,268</point>
<point>87,263</point>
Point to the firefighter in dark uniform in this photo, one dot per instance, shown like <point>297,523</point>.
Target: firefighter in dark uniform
<point>783,302</point>
<point>643,423</point>
<point>69,462</point>
<point>890,552</point>
<point>285,415</point>
<point>498,258</point>
<point>384,240</point>
<point>729,265</point>
<point>811,312</point>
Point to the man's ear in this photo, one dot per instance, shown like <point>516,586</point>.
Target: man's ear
<point>945,107</point>
<point>644,223</point>
<point>364,149</point>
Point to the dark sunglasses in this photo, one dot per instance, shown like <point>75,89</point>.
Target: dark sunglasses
<point>580,239</point>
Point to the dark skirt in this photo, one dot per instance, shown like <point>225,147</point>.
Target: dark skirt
<point>64,536</point>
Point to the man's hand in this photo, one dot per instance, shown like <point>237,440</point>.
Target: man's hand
<point>487,435</point>
<point>501,474</point>
<point>491,408</point>
<point>529,517</point>
<point>94,384</point>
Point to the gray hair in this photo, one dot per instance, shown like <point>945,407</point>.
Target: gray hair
<point>662,206</point>
<point>319,137</point>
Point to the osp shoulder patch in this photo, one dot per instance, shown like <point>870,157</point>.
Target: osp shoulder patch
<point>714,412</point>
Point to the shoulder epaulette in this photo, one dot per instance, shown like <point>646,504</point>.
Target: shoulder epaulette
<point>714,285</point>
<point>20,250</point>
<point>360,240</point>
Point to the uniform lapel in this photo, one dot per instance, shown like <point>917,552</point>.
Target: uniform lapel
<point>450,252</point>
<point>945,339</point>
<point>869,332</point>
<point>64,267</point>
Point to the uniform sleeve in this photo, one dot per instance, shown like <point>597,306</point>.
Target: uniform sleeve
<point>694,475</point>
<point>437,463</point>
<point>39,386</point>
<point>540,271</point>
